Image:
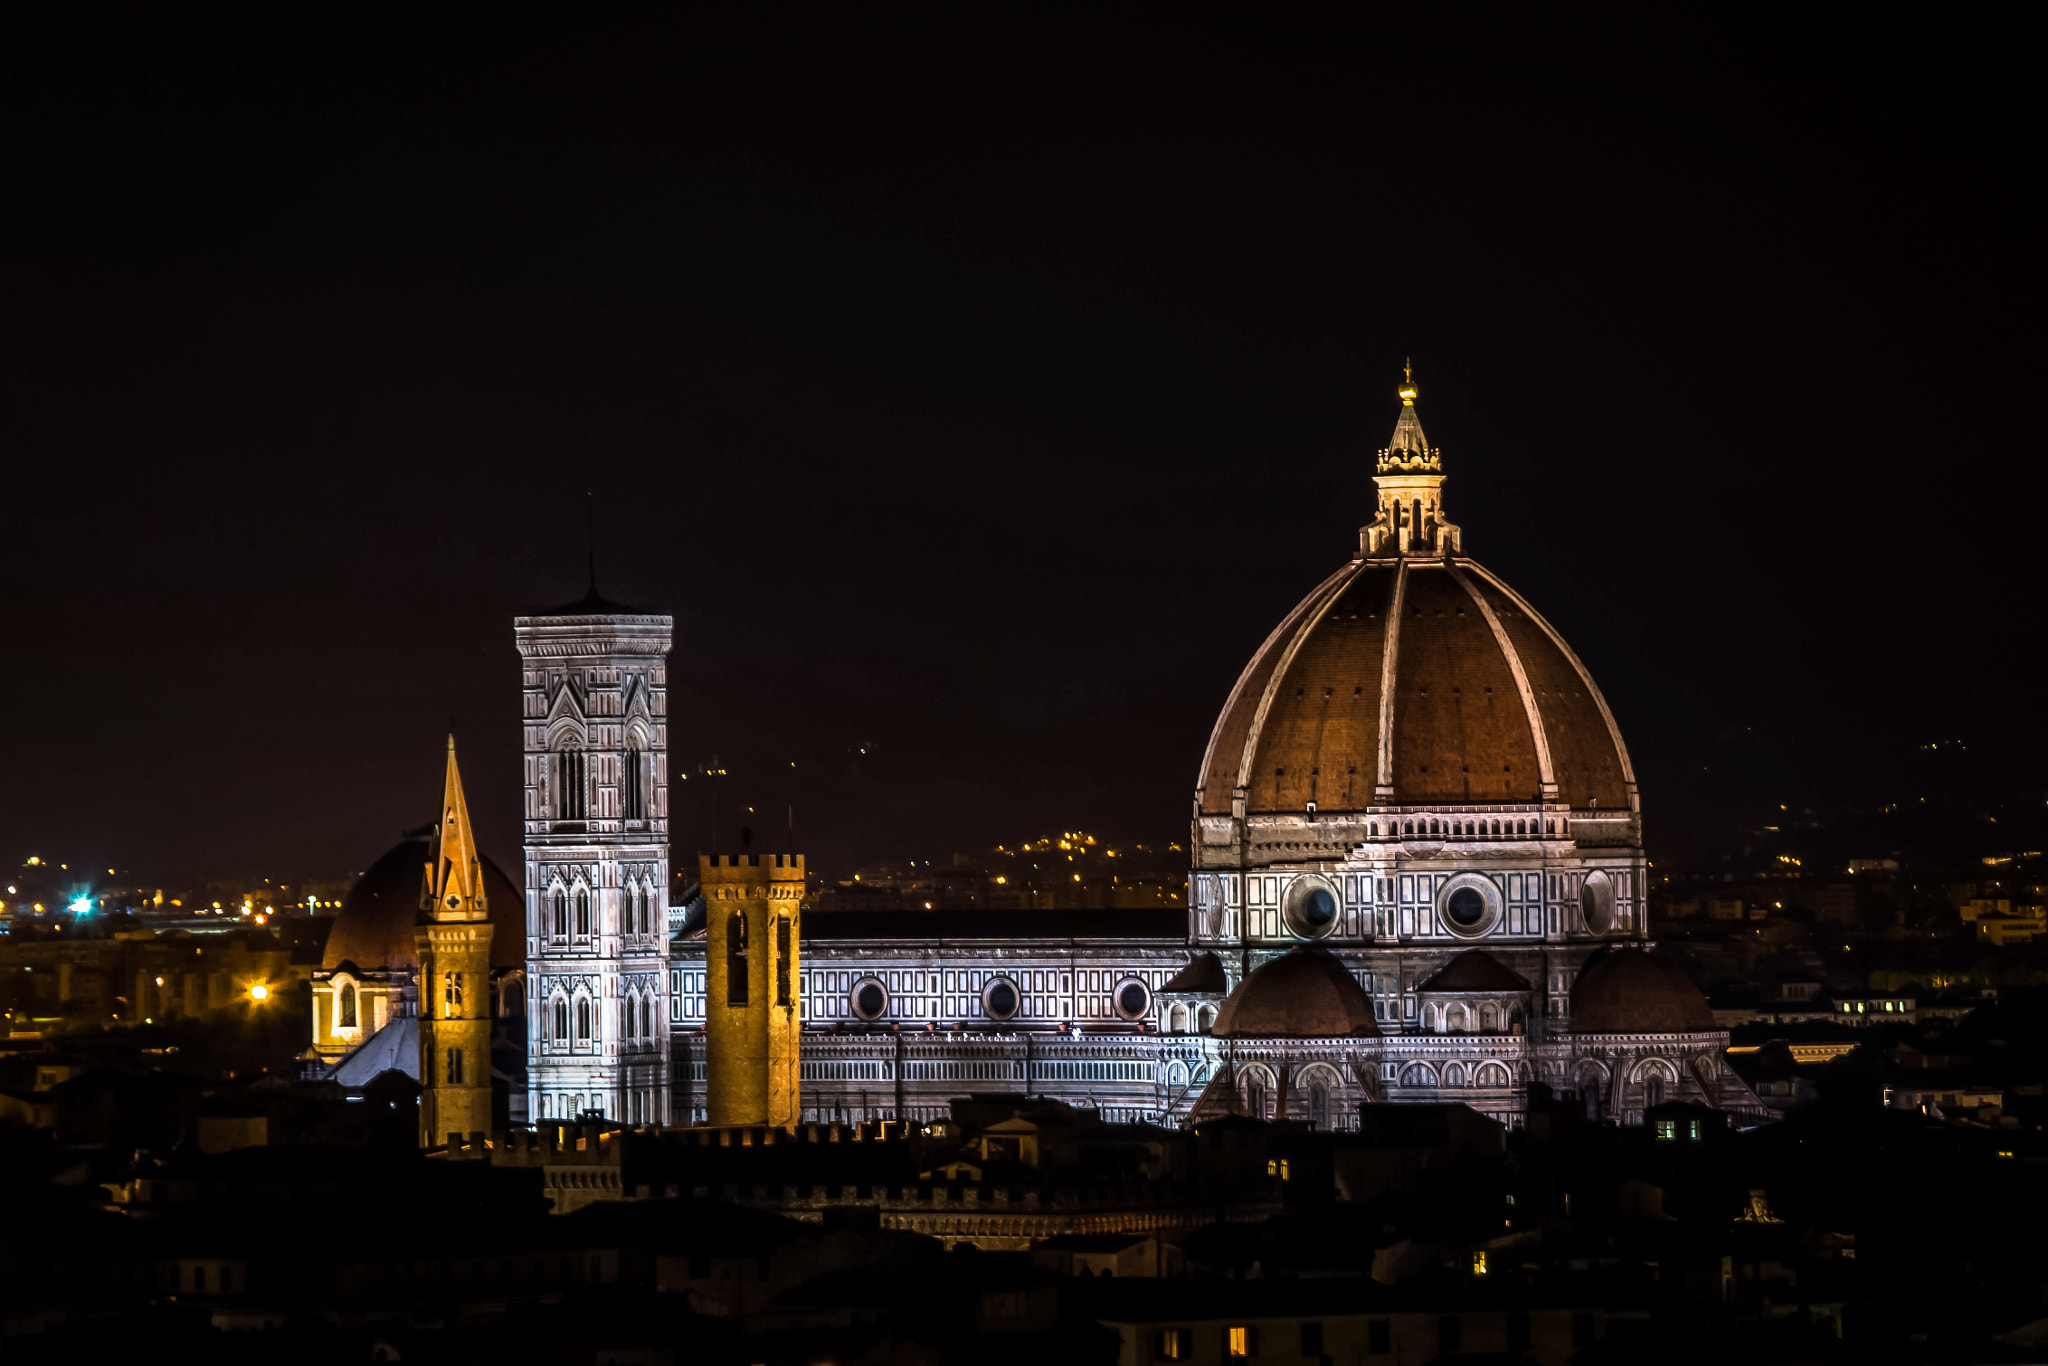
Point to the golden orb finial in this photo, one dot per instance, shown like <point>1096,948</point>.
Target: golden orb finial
<point>1408,390</point>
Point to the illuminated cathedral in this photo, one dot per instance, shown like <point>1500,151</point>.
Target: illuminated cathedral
<point>1417,875</point>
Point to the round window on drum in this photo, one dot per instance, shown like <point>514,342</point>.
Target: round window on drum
<point>1469,905</point>
<point>1131,998</point>
<point>1310,907</point>
<point>1596,903</point>
<point>869,998</point>
<point>1000,999</point>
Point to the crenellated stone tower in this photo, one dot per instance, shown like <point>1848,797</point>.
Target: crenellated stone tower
<point>595,678</point>
<point>454,946</point>
<point>753,904</point>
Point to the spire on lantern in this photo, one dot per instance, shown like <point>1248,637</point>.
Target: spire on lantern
<point>1409,451</point>
<point>454,883</point>
<point>1410,477</point>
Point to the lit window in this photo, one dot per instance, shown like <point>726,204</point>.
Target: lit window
<point>1479,1262</point>
<point>1172,1344</point>
<point>1237,1342</point>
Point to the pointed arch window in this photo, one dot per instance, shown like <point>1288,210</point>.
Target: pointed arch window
<point>451,994</point>
<point>582,1019</point>
<point>635,780</point>
<point>560,899</point>
<point>571,782</point>
<point>561,1020</point>
<point>583,913</point>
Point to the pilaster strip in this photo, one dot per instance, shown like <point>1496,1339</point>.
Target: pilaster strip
<point>1628,772</point>
<point>1237,690</point>
<point>1318,606</point>
<point>1390,660</point>
<point>1544,772</point>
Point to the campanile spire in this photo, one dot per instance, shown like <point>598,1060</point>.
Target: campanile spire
<point>454,884</point>
<point>1410,477</point>
<point>453,940</point>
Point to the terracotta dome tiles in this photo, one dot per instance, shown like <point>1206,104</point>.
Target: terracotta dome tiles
<point>1589,764</point>
<point>1304,723</point>
<point>1461,733</point>
<point>1320,741</point>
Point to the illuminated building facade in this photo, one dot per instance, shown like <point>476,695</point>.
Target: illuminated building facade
<point>594,680</point>
<point>1417,875</point>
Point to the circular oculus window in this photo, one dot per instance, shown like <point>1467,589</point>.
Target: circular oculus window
<point>1596,903</point>
<point>1469,905</point>
<point>869,998</point>
<point>1000,999</point>
<point>1131,998</point>
<point>1310,907</point>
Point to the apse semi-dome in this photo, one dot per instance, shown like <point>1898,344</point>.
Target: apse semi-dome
<point>1413,677</point>
<point>1631,991</point>
<point>1303,994</point>
<point>380,914</point>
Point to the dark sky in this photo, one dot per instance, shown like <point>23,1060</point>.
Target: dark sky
<point>978,393</point>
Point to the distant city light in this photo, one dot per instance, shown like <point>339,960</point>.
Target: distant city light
<point>81,906</point>
<point>259,992</point>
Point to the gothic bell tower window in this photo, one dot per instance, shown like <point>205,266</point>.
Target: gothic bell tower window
<point>583,913</point>
<point>571,777</point>
<point>560,906</point>
<point>636,781</point>
<point>348,1007</point>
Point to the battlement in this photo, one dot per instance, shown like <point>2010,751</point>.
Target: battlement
<point>724,875</point>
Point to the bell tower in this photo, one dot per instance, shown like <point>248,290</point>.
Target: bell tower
<point>454,945</point>
<point>594,678</point>
<point>753,904</point>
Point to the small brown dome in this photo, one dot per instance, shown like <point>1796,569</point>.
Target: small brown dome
<point>1630,991</point>
<point>1304,994</point>
<point>375,926</point>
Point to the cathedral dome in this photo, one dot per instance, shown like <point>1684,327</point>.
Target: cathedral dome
<point>1630,991</point>
<point>1303,994</point>
<point>374,928</point>
<point>1412,676</point>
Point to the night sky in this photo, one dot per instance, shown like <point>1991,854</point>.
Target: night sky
<point>978,397</point>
